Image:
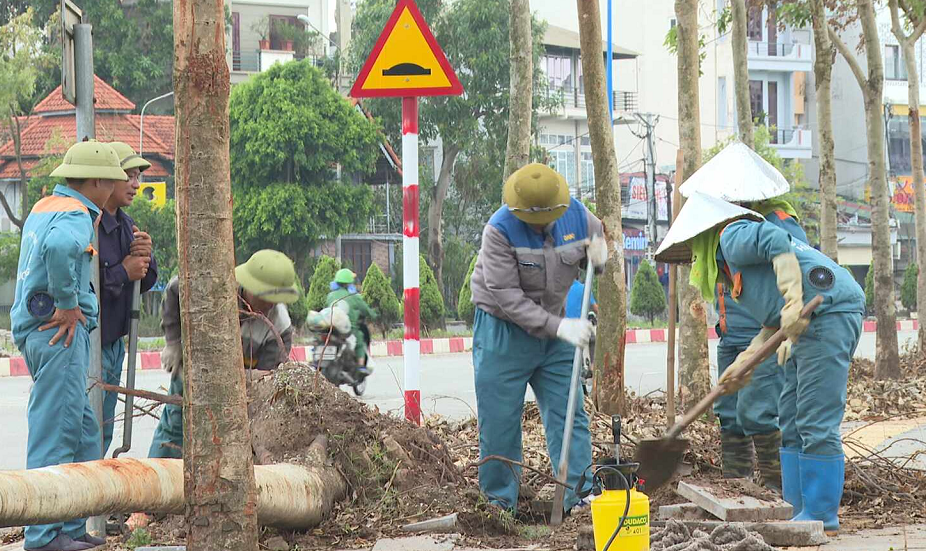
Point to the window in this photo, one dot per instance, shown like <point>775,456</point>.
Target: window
<point>754,23</point>
<point>277,33</point>
<point>773,105</point>
<point>672,23</point>
<point>756,103</point>
<point>588,173</point>
<point>359,255</point>
<point>722,102</point>
<point>564,162</point>
<point>236,41</point>
<point>894,67</point>
<point>558,69</point>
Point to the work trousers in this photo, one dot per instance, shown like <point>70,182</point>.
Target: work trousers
<point>167,442</point>
<point>113,357</point>
<point>813,400</point>
<point>62,426</point>
<point>754,408</point>
<point>506,360</point>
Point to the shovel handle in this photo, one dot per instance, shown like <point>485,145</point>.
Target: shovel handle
<point>760,356</point>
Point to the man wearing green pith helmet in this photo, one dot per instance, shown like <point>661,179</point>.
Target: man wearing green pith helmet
<point>267,283</point>
<point>344,289</point>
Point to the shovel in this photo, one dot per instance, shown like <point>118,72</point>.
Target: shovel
<point>130,371</point>
<point>559,495</point>
<point>659,458</point>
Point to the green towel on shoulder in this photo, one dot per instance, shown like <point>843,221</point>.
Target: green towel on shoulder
<point>704,268</point>
<point>771,205</point>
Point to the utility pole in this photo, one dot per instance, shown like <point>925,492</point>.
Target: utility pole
<point>649,121</point>
<point>86,129</point>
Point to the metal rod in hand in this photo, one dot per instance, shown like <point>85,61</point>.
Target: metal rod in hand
<point>559,495</point>
<point>134,314</point>
<point>749,365</point>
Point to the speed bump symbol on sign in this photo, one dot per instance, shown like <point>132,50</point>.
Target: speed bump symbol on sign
<point>406,60</point>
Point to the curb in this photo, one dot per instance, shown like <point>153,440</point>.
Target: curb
<point>16,366</point>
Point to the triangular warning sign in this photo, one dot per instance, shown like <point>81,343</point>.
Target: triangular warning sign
<point>406,60</point>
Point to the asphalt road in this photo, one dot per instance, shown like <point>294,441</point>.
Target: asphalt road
<point>446,389</point>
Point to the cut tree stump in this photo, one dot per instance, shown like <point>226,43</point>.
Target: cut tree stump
<point>736,508</point>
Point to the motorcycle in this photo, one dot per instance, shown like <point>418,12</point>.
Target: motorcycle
<point>333,355</point>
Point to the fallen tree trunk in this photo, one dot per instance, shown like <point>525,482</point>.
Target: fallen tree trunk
<point>289,496</point>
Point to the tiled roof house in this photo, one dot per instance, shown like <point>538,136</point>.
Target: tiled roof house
<point>54,117</point>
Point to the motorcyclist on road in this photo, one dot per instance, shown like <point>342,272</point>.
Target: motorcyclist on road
<point>344,290</point>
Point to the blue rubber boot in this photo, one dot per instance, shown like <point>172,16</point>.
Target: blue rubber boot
<point>791,479</point>
<point>822,479</point>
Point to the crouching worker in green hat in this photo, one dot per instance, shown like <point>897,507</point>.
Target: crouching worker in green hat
<point>772,275</point>
<point>267,283</point>
<point>344,289</point>
<point>532,250</point>
<point>54,311</point>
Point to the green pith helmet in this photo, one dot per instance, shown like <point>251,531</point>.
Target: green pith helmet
<point>128,158</point>
<point>90,160</point>
<point>344,276</point>
<point>536,194</point>
<point>269,275</point>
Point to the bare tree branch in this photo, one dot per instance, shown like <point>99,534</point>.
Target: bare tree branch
<point>850,59</point>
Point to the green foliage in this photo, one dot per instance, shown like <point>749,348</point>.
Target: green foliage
<point>299,309</point>
<point>465,309</point>
<point>646,296</point>
<point>319,285</point>
<point>9,255</point>
<point>457,256</point>
<point>724,20</point>
<point>139,538</point>
<point>161,224</point>
<point>290,217</point>
<point>870,288</point>
<point>908,288</point>
<point>431,302</point>
<point>671,43</point>
<point>377,292</point>
<point>289,125</point>
<point>22,58</point>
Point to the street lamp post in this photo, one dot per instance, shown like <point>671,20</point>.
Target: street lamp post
<point>141,124</point>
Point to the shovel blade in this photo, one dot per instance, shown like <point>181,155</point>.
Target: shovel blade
<point>659,459</point>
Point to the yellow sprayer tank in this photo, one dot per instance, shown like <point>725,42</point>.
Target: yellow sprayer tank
<point>607,510</point>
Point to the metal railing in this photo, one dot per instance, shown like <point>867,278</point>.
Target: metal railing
<point>770,49</point>
<point>572,96</point>
<point>248,61</point>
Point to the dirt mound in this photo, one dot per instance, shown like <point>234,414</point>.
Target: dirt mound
<point>398,473</point>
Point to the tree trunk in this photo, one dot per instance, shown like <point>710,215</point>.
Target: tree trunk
<point>741,74</point>
<point>289,496</point>
<point>887,361</point>
<point>220,490</point>
<point>612,321</point>
<point>436,213</point>
<point>823,78</point>
<point>907,45</point>
<point>694,370</point>
<point>521,87</point>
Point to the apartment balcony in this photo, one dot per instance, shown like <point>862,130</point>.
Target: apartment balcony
<point>572,101</point>
<point>793,143</point>
<point>779,56</point>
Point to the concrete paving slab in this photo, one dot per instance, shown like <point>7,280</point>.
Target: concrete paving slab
<point>442,542</point>
<point>740,508</point>
<point>683,511</point>
<point>904,538</point>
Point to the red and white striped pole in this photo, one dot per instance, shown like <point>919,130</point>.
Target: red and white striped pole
<point>410,258</point>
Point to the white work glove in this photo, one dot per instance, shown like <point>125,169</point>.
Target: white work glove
<point>788,274</point>
<point>575,331</point>
<point>597,251</point>
<point>172,359</point>
<point>735,377</point>
<point>784,352</point>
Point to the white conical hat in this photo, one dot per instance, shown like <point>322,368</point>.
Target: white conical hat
<point>700,214</point>
<point>737,174</point>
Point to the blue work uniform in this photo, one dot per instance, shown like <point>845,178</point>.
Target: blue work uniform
<point>519,287</point>
<point>754,408</point>
<point>574,299</point>
<point>54,264</point>
<point>813,399</point>
<point>116,235</point>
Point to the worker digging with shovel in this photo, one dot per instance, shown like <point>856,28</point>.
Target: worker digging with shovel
<point>771,274</point>
<point>532,250</point>
<point>749,429</point>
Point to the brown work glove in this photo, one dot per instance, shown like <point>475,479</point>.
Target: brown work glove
<point>735,377</point>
